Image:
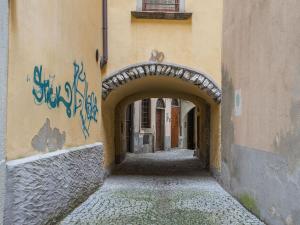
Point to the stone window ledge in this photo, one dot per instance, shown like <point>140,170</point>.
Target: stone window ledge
<point>161,15</point>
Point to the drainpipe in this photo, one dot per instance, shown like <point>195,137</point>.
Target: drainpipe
<point>104,58</point>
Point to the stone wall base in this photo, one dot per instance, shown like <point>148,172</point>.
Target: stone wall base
<point>2,189</point>
<point>43,189</point>
<point>264,182</point>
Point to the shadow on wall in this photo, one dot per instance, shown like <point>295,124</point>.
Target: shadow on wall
<point>227,137</point>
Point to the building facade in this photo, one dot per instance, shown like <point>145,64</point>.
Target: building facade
<point>160,124</point>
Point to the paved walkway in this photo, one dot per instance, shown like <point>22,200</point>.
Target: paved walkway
<point>162,188</point>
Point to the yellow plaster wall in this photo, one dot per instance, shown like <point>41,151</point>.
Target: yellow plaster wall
<point>54,34</point>
<point>195,42</point>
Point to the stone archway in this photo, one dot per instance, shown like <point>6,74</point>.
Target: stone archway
<point>156,80</point>
<point>139,71</point>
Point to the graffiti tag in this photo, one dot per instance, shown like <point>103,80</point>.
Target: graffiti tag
<point>74,97</point>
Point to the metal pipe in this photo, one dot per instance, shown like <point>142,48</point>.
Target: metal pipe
<point>104,57</point>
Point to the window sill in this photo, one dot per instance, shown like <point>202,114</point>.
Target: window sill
<point>161,15</point>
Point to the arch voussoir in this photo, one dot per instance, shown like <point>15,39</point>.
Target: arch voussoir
<point>139,71</point>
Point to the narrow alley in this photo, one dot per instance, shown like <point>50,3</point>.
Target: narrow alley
<point>167,187</point>
<point>149,112</point>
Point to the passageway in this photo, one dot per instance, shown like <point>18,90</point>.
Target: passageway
<point>157,97</point>
<point>166,187</point>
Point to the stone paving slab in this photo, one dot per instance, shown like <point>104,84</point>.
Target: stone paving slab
<point>162,188</point>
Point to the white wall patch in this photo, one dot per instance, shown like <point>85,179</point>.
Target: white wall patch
<point>237,103</point>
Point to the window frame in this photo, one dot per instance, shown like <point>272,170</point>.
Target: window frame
<point>159,7</point>
<point>139,7</point>
<point>146,112</point>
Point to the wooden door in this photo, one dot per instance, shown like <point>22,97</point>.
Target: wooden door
<point>191,129</point>
<point>174,127</point>
<point>159,129</point>
<point>129,127</point>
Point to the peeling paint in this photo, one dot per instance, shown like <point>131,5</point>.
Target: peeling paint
<point>48,139</point>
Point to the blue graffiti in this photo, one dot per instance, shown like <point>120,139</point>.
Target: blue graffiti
<point>75,99</point>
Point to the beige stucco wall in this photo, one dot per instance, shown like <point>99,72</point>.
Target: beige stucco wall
<point>265,50</point>
<point>260,139</point>
<point>53,34</point>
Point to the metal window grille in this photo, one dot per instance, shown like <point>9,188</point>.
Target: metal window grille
<point>146,113</point>
<point>161,5</point>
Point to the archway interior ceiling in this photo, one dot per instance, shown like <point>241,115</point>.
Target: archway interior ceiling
<point>139,71</point>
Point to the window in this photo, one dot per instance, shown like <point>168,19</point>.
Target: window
<point>175,103</point>
<point>161,9</point>
<point>161,5</point>
<point>146,113</point>
<point>160,104</point>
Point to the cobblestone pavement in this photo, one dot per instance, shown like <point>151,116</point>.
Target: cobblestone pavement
<point>161,188</point>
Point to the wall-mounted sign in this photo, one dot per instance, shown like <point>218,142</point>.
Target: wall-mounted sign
<point>237,102</point>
